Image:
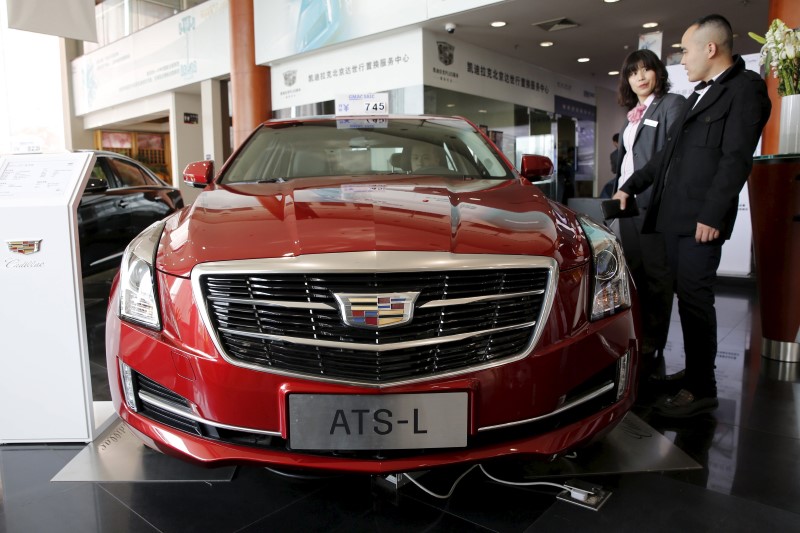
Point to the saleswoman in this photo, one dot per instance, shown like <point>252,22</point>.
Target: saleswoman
<point>643,86</point>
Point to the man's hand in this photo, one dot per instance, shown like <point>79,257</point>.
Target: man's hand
<point>705,233</point>
<point>622,197</point>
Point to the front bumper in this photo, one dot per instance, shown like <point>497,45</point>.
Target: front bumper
<point>195,405</point>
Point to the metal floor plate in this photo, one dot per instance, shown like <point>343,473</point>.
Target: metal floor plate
<point>118,456</point>
<point>633,446</point>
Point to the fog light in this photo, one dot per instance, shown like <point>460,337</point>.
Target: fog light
<point>127,385</point>
<point>622,374</point>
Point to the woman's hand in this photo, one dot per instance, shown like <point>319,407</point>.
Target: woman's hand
<point>622,197</point>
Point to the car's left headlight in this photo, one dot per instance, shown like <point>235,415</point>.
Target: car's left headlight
<point>611,291</point>
<point>137,283</point>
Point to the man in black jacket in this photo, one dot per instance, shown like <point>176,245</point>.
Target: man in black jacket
<point>696,182</point>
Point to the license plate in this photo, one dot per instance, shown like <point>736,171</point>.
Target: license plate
<point>377,422</point>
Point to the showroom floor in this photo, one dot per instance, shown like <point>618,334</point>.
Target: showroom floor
<point>749,450</point>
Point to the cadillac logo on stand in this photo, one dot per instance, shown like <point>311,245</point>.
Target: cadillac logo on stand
<point>290,77</point>
<point>374,311</point>
<point>24,247</point>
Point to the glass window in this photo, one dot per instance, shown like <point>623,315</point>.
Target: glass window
<point>99,173</point>
<point>130,175</point>
<point>116,19</point>
<point>328,147</point>
<point>111,140</point>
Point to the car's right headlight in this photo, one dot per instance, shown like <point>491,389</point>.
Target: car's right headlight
<point>137,283</point>
<point>611,291</point>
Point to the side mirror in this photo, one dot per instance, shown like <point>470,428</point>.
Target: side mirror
<point>536,168</point>
<point>95,185</point>
<point>199,174</point>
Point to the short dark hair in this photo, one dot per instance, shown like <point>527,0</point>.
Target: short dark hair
<point>721,24</point>
<point>649,60</point>
<point>615,138</point>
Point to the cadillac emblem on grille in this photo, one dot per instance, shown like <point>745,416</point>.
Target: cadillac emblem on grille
<point>373,311</point>
<point>24,247</point>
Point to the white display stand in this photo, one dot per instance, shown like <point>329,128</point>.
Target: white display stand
<point>45,385</point>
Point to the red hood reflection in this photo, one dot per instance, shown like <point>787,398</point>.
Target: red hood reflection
<point>329,215</point>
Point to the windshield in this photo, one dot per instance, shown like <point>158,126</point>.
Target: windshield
<point>284,151</point>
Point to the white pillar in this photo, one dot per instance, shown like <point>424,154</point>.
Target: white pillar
<point>186,138</point>
<point>31,118</point>
<point>76,137</point>
<point>211,122</point>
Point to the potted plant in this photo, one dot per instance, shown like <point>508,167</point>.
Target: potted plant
<point>781,51</point>
<point>773,199</point>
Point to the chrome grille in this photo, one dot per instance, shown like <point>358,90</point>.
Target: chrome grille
<point>376,367</point>
<point>290,322</point>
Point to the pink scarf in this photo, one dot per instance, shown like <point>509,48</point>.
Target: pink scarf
<point>635,114</point>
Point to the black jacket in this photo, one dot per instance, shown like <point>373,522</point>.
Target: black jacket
<point>698,175</point>
<point>651,136</point>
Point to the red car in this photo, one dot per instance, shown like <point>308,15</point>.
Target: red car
<point>371,295</point>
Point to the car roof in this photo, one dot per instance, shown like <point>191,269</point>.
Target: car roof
<point>107,153</point>
<point>115,155</point>
<point>319,118</point>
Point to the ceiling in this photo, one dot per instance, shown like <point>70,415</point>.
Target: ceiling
<point>606,32</point>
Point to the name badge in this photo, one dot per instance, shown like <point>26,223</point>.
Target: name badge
<point>650,122</point>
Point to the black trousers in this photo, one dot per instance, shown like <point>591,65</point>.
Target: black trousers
<point>646,255</point>
<point>694,266</point>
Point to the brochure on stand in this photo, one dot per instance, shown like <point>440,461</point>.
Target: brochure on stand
<point>46,391</point>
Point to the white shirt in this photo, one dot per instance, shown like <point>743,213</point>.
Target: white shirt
<point>628,138</point>
<point>703,91</point>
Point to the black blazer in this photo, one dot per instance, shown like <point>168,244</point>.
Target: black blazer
<point>709,153</point>
<point>651,136</point>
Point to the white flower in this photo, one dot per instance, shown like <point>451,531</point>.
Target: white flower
<point>781,50</point>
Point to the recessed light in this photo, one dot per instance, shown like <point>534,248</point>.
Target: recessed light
<point>482,111</point>
<point>676,45</point>
<point>451,105</point>
<point>497,24</point>
<point>613,72</point>
<point>583,60</point>
<point>610,1</point>
<point>649,24</point>
<point>546,44</point>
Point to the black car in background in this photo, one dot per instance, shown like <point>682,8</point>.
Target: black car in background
<point>121,199</point>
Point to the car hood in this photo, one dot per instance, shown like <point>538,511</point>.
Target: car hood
<point>380,213</point>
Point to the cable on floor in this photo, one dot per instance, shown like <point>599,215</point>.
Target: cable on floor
<point>497,480</point>
<point>452,489</point>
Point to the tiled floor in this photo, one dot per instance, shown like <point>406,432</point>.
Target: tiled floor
<point>749,449</point>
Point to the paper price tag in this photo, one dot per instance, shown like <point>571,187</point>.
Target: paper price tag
<point>361,123</point>
<point>364,104</point>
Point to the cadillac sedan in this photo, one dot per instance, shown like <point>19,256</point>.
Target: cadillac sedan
<point>371,295</point>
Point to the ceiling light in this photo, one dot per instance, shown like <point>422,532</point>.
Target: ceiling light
<point>613,72</point>
<point>676,45</point>
<point>546,44</point>
<point>451,105</point>
<point>497,24</point>
<point>583,60</point>
<point>649,24</point>
<point>610,1</point>
<point>482,111</point>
